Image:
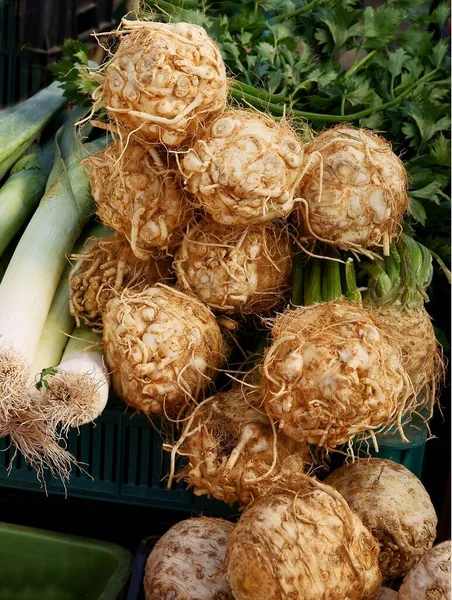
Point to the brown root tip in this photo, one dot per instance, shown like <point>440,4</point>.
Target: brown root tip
<point>71,400</point>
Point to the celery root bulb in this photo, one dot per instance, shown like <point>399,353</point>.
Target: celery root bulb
<point>394,505</point>
<point>162,347</point>
<point>354,191</point>
<point>138,195</point>
<point>245,271</point>
<point>331,374</point>
<point>430,579</point>
<point>244,168</point>
<point>164,81</point>
<point>233,453</point>
<point>103,269</point>
<point>187,563</point>
<point>305,545</point>
<point>422,359</point>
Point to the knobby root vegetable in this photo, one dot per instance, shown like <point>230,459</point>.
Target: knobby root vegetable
<point>238,271</point>
<point>187,563</point>
<point>77,392</point>
<point>430,579</point>
<point>245,168</point>
<point>165,81</point>
<point>354,191</point>
<point>394,505</point>
<point>103,269</point>
<point>137,194</point>
<point>162,347</point>
<point>330,374</point>
<point>302,545</point>
<point>234,452</point>
<point>422,355</point>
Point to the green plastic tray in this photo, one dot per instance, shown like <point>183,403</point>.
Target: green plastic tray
<point>42,565</point>
<point>124,463</point>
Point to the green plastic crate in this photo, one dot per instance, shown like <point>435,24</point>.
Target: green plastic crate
<point>124,462</point>
<point>42,565</point>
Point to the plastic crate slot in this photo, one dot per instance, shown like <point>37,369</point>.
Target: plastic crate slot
<point>111,443</point>
<point>96,455</point>
<point>143,466</point>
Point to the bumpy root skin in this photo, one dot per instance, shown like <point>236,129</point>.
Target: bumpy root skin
<point>331,374</point>
<point>245,168</point>
<point>302,545</point>
<point>395,507</point>
<point>430,579</point>
<point>234,453</point>
<point>188,562</point>
<point>103,269</point>
<point>354,191</point>
<point>162,348</point>
<point>139,196</point>
<point>165,81</point>
<point>236,271</point>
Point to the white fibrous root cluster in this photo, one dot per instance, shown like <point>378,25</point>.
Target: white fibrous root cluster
<point>306,544</point>
<point>137,194</point>
<point>164,82</point>
<point>103,269</point>
<point>188,562</point>
<point>422,356</point>
<point>162,347</point>
<point>234,453</point>
<point>237,271</point>
<point>430,579</point>
<point>330,374</point>
<point>354,190</point>
<point>244,168</point>
<point>395,507</point>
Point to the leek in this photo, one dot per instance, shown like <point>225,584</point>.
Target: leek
<point>59,322</point>
<point>32,277</point>
<point>76,392</point>
<point>22,191</point>
<point>22,124</point>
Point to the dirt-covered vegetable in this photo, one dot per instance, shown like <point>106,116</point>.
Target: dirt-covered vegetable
<point>164,81</point>
<point>302,545</point>
<point>430,579</point>
<point>162,347</point>
<point>394,505</point>
<point>187,563</point>
<point>386,594</point>
<point>330,373</point>
<point>245,168</point>
<point>103,269</point>
<point>137,194</point>
<point>234,453</point>
<point>232,270</point>
<point>354,191</point>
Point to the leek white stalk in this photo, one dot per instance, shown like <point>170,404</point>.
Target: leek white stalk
<point>22,191</point>
<point>20,125</point>
<point>30,282</point>
<point>60,322</point>
<point>77,391</point>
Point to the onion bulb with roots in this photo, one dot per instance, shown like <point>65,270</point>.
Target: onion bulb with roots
<point>422,356</point>
<point>330,374</point>
<point>162,348</point>
<point>187,563</point>
<point>103,269</point>
<point>238,271</point>
<point>354,190</point>
<point>430,579</point>
<point>138,195</point>
<point>305,545</point>
<point>394,505</point>
<point>234,453</point>
<point>245,168</point>
<point>164,82</point>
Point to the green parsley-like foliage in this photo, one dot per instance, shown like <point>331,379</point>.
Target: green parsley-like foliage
<point>42,381</point>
